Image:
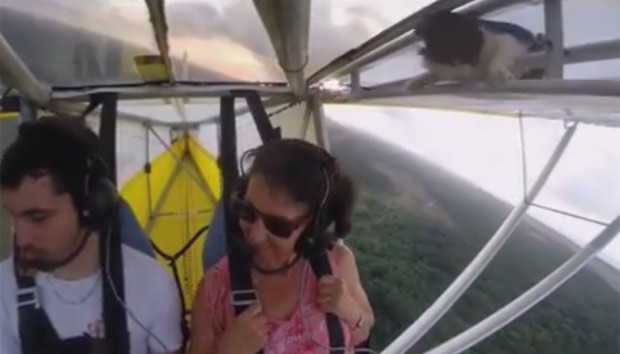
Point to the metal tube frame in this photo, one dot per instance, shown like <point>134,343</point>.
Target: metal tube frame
<point>203,183</point>
<point>489,6</point>
<point>356,81</point>
<point>188,90</point>
<point>27,109</point>
<point>384,37</point>
<point>530,298</point>
<point>306,121</point>
<point>381,53</point>
<point>566,213</point>
<point>179,106</point>
<point>318,114</point>
<point>160,200</point>
<point>20,76</point>
<point>185,213</point>
<point>554,30</point>
<point>288,25</point>
<point>603,50</point>
<point>270,102</point>
<point>600,88</point>
<point>584,53</point>
<point>157,13</point>
<point>447,299</point>
<point>388,42</point>
<point>190,173</point>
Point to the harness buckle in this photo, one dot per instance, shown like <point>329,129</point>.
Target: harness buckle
<point>28,297</point>
<point>243,297</point>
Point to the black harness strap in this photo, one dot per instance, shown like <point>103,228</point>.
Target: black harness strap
<point>37,333</point>
<point>320,266</point>
<point>242,291</point>
<point>114,314</point>
<point>94,102</point>
<point>265,129</point>
<point>34,325</point>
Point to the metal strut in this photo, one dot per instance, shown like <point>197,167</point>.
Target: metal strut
<point>554,30</point>
<point>318,114</point>
<point>531,297</point>
<point>445,301</point>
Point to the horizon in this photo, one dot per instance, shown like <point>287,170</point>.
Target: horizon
<point>489,156</point>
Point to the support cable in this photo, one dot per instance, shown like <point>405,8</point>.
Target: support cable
<point>530,298</point>
<point>445,301</point>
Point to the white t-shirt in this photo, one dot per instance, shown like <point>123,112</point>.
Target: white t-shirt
<point>150,293</point>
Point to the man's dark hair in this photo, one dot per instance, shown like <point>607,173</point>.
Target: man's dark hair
<point>297,166</point>
<point>57,146</point>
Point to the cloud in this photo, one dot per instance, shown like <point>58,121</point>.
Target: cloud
<point>239,22</point>
<point>485,150</point>
<point>587,178</point>
<point>221,41</point>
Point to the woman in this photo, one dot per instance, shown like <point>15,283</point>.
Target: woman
<point>276,204</point>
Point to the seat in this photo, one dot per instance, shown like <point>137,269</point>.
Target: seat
<point>215,243</point>
<point>132,233</point>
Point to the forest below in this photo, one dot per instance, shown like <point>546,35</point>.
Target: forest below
<point>417,226</point>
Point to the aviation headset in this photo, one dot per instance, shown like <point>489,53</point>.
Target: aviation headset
<point>308,241</point>
<point>100,197</point>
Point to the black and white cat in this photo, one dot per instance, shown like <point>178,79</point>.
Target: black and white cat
<point>460,47</point>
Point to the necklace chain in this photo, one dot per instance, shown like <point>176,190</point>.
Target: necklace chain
<point>74,302</point>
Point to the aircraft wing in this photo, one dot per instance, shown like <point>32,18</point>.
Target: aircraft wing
<point>552,100</point>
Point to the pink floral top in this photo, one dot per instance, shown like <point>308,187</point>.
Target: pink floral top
<point>285,336</point>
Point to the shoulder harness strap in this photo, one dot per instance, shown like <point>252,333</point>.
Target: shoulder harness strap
<point>36,332</point>
<point>320,266</point>
<point>114,313</point>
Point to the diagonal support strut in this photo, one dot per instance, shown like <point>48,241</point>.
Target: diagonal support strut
<point>447,299</point>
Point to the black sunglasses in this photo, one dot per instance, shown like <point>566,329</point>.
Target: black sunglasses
<point>277,225</point>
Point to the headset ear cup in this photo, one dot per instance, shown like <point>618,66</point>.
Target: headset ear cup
<point>100,203</point>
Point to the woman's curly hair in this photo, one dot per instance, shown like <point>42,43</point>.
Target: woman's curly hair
<point>301,169</point>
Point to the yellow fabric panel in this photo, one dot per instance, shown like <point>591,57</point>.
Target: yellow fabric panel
<point>8,115</point>
<point>207,165</point>
<point>135,189</point>
<point>172,231</point>
<point>185,209</point>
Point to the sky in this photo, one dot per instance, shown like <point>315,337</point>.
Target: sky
<point>486,150</point>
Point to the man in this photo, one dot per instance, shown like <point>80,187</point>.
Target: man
<point>51,179</point>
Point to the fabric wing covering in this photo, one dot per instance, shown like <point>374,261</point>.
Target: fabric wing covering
<point>174,205</point>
